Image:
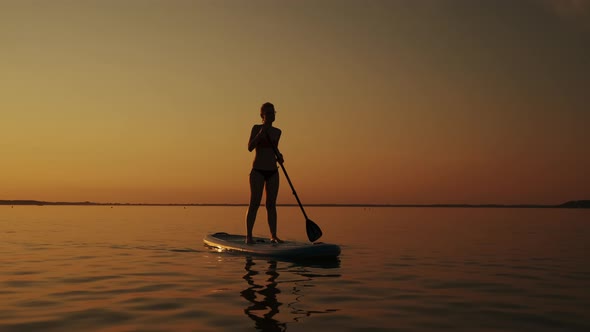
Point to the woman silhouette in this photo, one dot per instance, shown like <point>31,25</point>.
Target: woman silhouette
<point>265,173</point>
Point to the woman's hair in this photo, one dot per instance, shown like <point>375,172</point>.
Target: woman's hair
<point>266,107</point>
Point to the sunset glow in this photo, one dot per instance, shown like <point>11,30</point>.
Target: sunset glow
<point>382,102</point>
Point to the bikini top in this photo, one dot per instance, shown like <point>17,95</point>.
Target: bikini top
<point>264,143</point>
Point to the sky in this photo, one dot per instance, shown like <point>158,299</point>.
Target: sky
<point>380,102</point>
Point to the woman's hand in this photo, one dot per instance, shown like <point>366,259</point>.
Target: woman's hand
<point>264,130</point>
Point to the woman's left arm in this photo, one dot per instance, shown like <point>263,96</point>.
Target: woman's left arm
<point>279,154</point>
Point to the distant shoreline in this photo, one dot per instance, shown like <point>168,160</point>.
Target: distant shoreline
<point>581,204</point>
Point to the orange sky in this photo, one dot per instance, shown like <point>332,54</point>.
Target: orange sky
<point>379,101</point>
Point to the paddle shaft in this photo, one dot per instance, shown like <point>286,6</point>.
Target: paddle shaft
<point>277,154</point>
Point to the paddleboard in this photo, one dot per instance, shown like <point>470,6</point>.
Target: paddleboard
<point>264,247</point>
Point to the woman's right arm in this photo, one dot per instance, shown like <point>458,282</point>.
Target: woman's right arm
<point>255,137</point>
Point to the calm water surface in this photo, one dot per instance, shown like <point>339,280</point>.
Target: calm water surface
<point>401,269</point>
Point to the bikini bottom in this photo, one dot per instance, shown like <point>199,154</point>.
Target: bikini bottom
<point>267,174</point>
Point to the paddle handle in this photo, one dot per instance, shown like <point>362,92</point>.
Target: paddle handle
<point>277,154</point>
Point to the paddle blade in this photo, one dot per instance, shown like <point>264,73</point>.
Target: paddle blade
<point>313,231</point>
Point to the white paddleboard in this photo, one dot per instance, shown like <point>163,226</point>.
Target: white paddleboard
<point>263,247</point>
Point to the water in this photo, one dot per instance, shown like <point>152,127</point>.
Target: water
<point>401,269</point>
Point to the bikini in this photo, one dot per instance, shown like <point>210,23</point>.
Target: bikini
<point>267,174</point>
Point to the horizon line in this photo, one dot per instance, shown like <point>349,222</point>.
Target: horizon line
<point>568,204</point>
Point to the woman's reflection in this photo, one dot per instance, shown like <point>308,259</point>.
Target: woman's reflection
<point>262,311</point>
<point>263,298</point>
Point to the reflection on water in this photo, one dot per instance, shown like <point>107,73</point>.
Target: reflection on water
<point>263,296</point>
<point>263,311</point>
<point>143,269</point>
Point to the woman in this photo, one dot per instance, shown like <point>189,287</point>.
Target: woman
<point>264,171</point>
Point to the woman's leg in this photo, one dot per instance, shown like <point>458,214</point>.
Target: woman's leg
<point>256,188</point>
<point>272,191</point>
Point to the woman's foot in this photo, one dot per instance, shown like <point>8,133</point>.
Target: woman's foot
<point>275,239</point>
<point>249,240</point>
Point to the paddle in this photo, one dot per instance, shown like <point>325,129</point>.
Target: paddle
<point>313,230</point>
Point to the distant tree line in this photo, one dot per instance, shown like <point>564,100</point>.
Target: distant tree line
<point>581,204</point>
